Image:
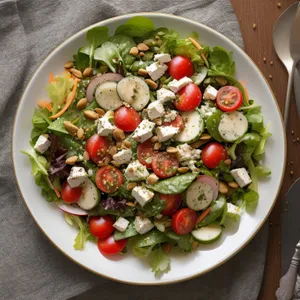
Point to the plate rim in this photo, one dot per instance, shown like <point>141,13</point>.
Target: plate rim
<point>149,14</point>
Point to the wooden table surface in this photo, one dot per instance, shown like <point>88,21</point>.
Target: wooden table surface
<point>258,45</point>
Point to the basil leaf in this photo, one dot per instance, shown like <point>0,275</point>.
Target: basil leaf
<point>151,238</point>
<point>212,125</point>
<point>173,185</point>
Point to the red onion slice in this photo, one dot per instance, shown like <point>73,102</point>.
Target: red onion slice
<point>97,80</point>
<point>212,182</point>
<point>72,210</point>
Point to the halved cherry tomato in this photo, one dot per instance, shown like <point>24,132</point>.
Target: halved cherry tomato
<point>184,221</point>
<point>101,227</point>
<point>97,147</point>
<point>70,195</point>
<point>127,118</point>
<point>189,97</point>
<point>213,154</point>
<point>109,179</point>
<point>180,66</point>
<point>109,246</point>
<point>229,98</point>
<point>178,122</point>
<point>145,153</point>
<point>164,164</point>
<point>172,204</point>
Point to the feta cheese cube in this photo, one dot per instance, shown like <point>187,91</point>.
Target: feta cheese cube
<point>175,85</point>
<point>165,133</point>
<point>123,156</point>
<point>241,176</point>
<point>233,211</point>
<point>210,93</point>
<point>164,95</point>
<point>135,171</point>
<point>121,224</point>
<point>187,153</point>
<point>144,131</point>
<point>170,116</point>
<point>162,57</point>
<point>42,143</point>
<point>142,195</point>
<point>155,110</point>
<point>105,125</point>
<point>206,110</point>
<point>156,70</point>
<point>77,177</point>
<point>143,224</point>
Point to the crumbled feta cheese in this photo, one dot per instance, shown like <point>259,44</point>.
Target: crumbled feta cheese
<point>121,224</point>
<point>162,57</point>
<point>210,93</point>
<point>123,157</point>
<point>190,164</point>
<point>143,224</point>
<point>77,177</point>
<point>90,172</point>
<point>233,211</point>
<point>135,171</point>
<point>142,195</point>
<point>155,110</point>
<point>156,70</point>
<point>241,176</point>
<point>42,143</point>
<point>105,125</point>
<point>187,153</point>
<point>170,116</point>
<point>144,131</point>
<point>175,85</point>
<point>206,110</point>
<point>164,95</point>
<point>165,133</point>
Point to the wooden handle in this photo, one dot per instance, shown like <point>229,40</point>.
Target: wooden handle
<point>288,281</point>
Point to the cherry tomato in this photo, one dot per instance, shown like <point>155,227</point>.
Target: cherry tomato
<point>184,221</point>
<point>97,147</point>
<point>145,153</point>
<point>164,164</point>
<point>101,227</point>
<point>178,122</point>
<point>109,179</point>
<point>213,154</point>
<point>109,246</point>
<point>189,97</point>
<point>70,195</point>
<point>180,66</point>
<point>229,98</point>
<point>127,118</point>
<point>172,204</point>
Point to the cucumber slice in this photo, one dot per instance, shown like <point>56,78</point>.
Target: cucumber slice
<point>107,96</point>
<point>233,125</point>
<point>199,77</point>
<point>199,195</point>
<point>90,195</point>
<point>134,91</point>
<point>208,234</point>
<point>193,127</point>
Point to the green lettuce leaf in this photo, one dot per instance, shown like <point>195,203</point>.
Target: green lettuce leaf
<point>260,148</point>
<point>153,208</point>
<point>159,261</point>
<point>129,232</point>
<point>262,171</point>
<point>184,242</point>
<point>40,118</point>
<point>83,233</point>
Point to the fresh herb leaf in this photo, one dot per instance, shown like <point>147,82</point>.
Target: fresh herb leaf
<point>212,125</point>
<point>251,198</point>
<point>262,171</point>
<point>184,242</point>
<point>153,208</point>
<point>129,232</point>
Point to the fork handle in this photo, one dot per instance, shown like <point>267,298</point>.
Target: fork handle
<point>288,281</point>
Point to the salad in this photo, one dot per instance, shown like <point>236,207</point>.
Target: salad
<point>148,142</point>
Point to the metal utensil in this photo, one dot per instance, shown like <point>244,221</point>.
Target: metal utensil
<point>286,43</point>
<point>297,87</point>
<point>291,233</point>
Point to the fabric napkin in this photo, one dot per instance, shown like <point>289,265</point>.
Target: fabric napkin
<point>30,267</point>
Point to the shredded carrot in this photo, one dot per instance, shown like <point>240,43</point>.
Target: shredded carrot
<point>198,46</point>
<point>56,192</point>
<point>51,78</point>
<point>45,104</point>
<point>203,215</point>
<point>68,102</point>
<point>167,247</point>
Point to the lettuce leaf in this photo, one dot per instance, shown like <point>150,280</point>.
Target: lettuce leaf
<point>262,171</point>
<point>260,148</point>
<point>159,261</point>
<point>83,233</point>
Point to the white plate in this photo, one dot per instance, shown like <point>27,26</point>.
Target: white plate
<point>129,268</point>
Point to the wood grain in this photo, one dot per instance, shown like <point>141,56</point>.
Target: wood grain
<point>258,44</point>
